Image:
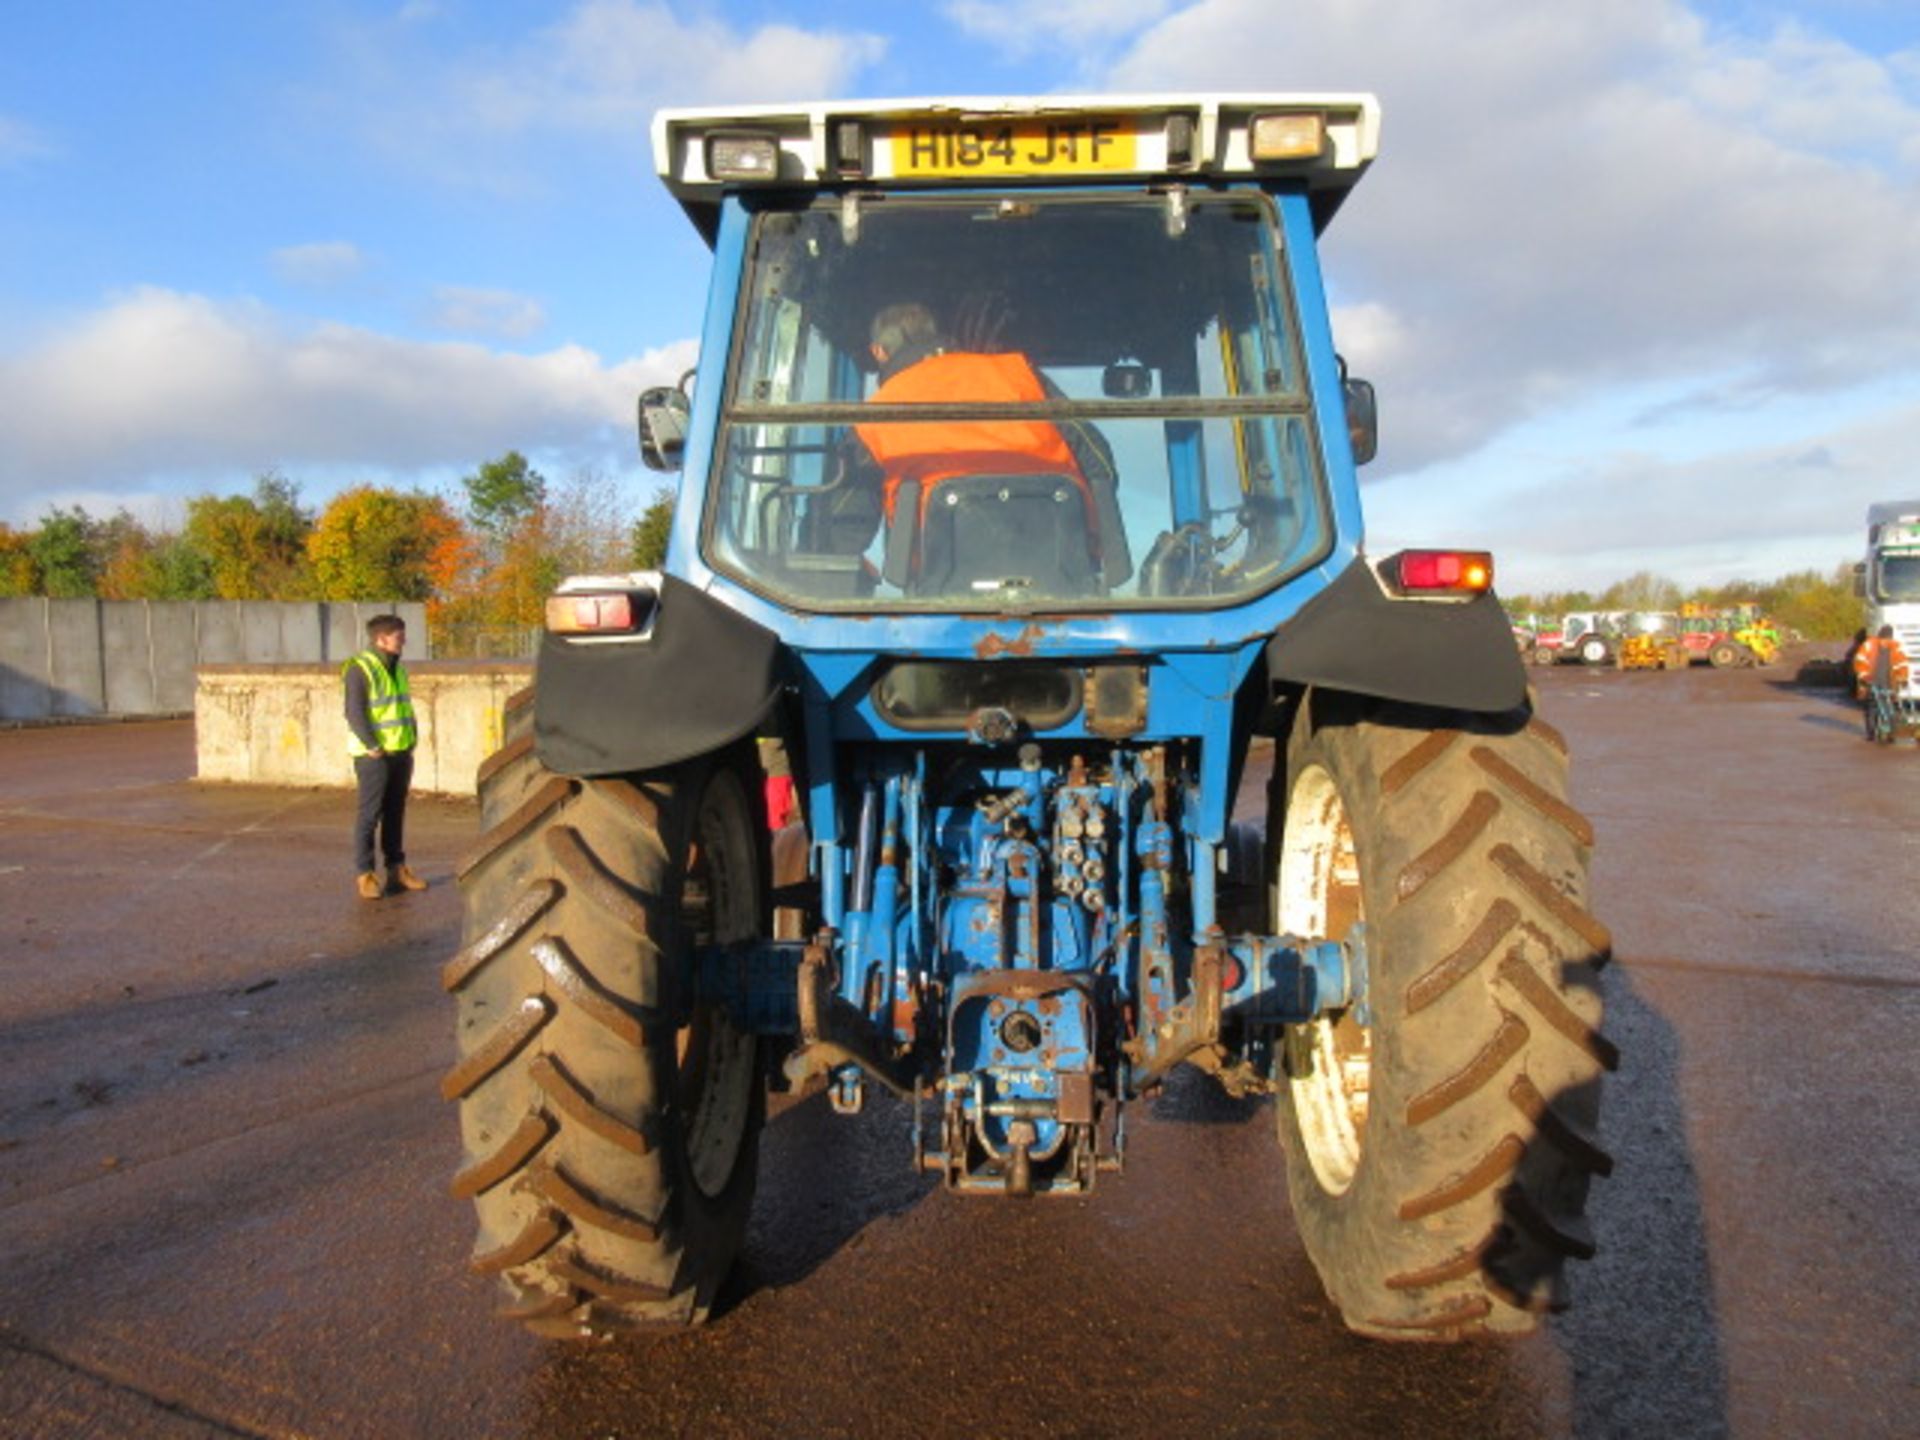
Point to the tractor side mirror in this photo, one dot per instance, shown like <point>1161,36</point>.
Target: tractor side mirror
<point>1860,578</point>
<point>662,419</point>
<point>1363,420</point>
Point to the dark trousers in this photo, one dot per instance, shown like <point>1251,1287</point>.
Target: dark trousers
<point>383,781</point>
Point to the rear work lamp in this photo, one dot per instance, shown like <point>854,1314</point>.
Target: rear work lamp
<point>1435,573</point>
<point>597,614</point>
<point>740,155</point>
<point>1287,137</point>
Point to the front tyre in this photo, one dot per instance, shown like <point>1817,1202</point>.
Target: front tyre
<point>610,1118</point>
<point>1440,1140</point>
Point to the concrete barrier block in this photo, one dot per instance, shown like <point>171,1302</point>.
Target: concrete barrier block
<point>74,657</point>
<point>217,636</point>
<point>171,625</point>
<point>127,658</point>
<point>222,723</point>
<point>24,692</point>
<point>285,724</point>
<point>462,713</point>
<point>261,634</point>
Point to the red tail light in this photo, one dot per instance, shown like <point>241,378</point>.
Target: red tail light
<point>593,614</point>
<point>1438,572</point>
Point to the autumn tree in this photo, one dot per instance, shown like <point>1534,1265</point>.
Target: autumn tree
<point>589,520</point>
<point>1821,607</point>
<point>527,533</point>
<point>526,571</point>
<point>648,541</point>
<point>255,545</point>
<point>174,568</point>
<point>502,494</point>
<point>124,547</point>
<point>63,554</point>
<point>377,544</point>
<point>1642,590</point>
<point>19,574</point>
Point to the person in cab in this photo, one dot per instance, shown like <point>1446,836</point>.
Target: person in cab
<point>917,365</point>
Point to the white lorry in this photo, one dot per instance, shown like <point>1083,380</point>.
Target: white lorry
<point>1889,578</point>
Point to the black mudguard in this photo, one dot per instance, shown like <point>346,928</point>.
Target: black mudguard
<point>704,676</point>
<point>1455,654</point>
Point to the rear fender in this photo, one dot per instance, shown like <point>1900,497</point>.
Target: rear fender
<point>1353,636</point>
<point>700,677</point>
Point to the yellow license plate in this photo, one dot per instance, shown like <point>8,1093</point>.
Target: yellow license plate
<point>1079,146</point>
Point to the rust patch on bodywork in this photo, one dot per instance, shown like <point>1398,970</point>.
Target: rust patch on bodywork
<point>992,645</point>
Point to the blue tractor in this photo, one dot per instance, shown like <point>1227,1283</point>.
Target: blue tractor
<point>1019,515</point>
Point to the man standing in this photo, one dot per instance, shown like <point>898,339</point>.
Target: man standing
<point>1880,663</point>
<point>381,737</point>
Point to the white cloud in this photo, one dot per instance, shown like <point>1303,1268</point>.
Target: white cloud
<point>464,310</point>
<point>20,143</point>
<point>1804,89</point>
<point>1577,196</point>
<point>1737,512</point>
<point>612,62</point>
<point>321,263</point>
<point>1024,28</point>
<point>601,70</point>
<point>163,383</point>
<point>1371,337</point>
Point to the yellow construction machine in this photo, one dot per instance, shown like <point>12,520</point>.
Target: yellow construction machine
<point>1650,641</point>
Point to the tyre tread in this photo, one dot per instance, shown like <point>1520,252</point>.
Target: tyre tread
<point>587,1210</point>
<point>1508,1041</point>
<point>1486,1172</point>
<point>506,1040</point>
<point>536,1237</point>
<point>514,922</point>
<point>1475,870</point>
<point>1451,969</point>
<point>511,1157</point>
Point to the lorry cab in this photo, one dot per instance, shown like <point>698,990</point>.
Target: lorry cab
<point>1889,578</point>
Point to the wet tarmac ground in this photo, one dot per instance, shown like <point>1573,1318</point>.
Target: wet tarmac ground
<point>223,1159</point>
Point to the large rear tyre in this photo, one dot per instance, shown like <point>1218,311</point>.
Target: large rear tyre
<point>610,1119</point>
<point>1439,1142</point>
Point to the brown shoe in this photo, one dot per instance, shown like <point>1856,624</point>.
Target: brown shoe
<point>405,879</point>
<point>369,886</point>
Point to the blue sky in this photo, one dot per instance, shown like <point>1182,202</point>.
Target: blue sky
<point>1639,280</point>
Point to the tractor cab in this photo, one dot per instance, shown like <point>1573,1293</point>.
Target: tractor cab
<point>1024,355</point>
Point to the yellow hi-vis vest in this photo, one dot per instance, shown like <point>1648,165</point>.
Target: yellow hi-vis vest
<point>389,704</point>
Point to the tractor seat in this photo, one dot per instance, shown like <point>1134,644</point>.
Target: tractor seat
<point>981,532</point>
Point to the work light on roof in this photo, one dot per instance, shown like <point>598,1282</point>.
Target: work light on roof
<point>739,156</point>
<point>1287,136</point>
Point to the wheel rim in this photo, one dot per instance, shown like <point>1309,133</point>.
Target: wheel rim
<point>1319,895</point>
<point>714,1062</point>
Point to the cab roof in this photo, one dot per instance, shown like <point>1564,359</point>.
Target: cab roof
<point>892,145</point>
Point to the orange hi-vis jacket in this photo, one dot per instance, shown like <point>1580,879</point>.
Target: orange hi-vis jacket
<point>931,451</point>
<point>1869,652</point>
